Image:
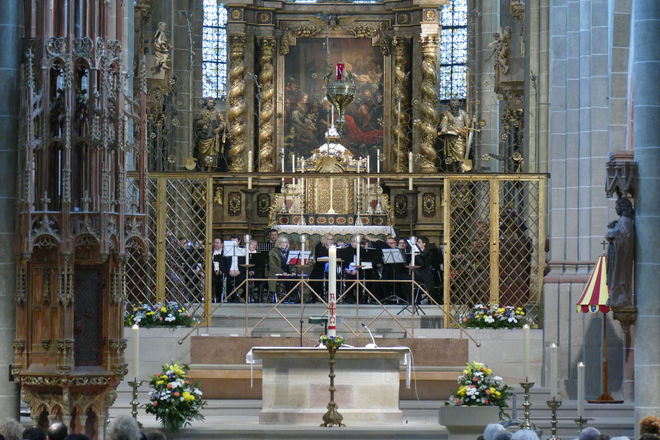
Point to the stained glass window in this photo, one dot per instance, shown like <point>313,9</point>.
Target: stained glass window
<point>453,51</point>
<point>214,50</point>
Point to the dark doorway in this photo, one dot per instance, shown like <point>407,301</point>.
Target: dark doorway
<point>87,316</point>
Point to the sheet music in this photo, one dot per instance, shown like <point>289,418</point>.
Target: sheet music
<point>393,256</point>
<point>231,249</point>
<point>294,257</point>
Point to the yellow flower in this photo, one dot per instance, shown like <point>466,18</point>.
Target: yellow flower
<point>187,397</point>
<point>488,371</point>
<point>151,313</point>
<point>501,310</point>
<point>163,309</point>
<point>160,382</point>
<point>462,390</point>
<point>497,393</point>
<point>163,376</point>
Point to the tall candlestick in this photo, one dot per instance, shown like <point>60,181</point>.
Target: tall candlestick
<point>135,332</point>
<point>410,162</point>
<point>332,290</point>
<point>553,370</point>
<point>378,161</point>
<point>249,168</point>
<point>580,390</point>
<point>526,351</point>
<point>357,251</point>
<point>247,248</point>
<point>368,166</point>
<point>412,250</point>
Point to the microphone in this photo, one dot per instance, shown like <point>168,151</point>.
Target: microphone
<point>373,341</point>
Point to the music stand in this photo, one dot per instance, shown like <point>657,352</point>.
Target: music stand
<point>231,249</point>
<point>393,256</point>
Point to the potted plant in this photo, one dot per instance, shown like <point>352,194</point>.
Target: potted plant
<point>173,399</point>
<point>495,317</point>
<point>170,314</point>
<point>479,400</point>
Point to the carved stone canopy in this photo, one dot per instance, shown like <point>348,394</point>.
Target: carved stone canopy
<point>621,174</point>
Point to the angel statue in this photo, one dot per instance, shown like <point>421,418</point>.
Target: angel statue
<point>501,46</point>
<point>162,47</point>
<point>211,136</point>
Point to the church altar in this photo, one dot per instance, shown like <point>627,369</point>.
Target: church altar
<point>295,384</point>
<point>337,205</point>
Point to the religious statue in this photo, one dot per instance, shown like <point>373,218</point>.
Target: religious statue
<point>455,129</point>
<point>162,47</point>
<point>502,48</point>
<point>621,253</point>
<point>211,136</point>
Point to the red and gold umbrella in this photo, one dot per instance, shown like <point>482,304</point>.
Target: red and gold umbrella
<point>595,298</point>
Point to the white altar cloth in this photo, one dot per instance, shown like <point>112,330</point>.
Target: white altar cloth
<point>335,229</point>
<point>295,384</point>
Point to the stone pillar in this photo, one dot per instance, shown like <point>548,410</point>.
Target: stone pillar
<point>10,31</point>
<point>646,99</point>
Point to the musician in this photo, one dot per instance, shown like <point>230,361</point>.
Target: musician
<point>370,254</point>
<point>424,274</point>
<point>277,265</point>
<point>271,242</point>
<point>319,268</point>
<point>218,275</point>
<point>349,272</point>
<point>234,269</point>
<point>394,272</point>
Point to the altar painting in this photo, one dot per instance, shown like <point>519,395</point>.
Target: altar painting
<point>307,114</point>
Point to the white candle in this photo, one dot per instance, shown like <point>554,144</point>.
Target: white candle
<point>249,167</point>
<point>368,166</point>
<point>282,162</point>
<point>357,251</point>
<point>410,171</point>
<point>526,352</point>
<point>580,390</point>
<point>135,332</point>
<point>247,248</point>
<point>332,290</point>
<point>303,238</point>
<point>412,250</point>
<point>302,166</point>
<point>553,370</point>
<point>378,161</point>
<point>293,163</point>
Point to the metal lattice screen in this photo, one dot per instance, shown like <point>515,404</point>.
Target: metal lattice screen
<point>174,266</point>
<point>493,252</point>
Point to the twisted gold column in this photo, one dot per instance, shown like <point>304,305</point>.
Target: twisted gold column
<point>266,74</point>
<point>429,113</point>
<point>400,107</point>
<point>236,101</point>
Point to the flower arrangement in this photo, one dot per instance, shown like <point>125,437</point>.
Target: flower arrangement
<point>170,314</point>
<point>478,387</point>
<point>173,399</point>
<point>495,317</point>
<point>331,341</point>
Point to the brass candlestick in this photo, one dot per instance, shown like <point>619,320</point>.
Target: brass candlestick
<point>135,384</point>
<point>580,421</point>
<point>332,417</point>
<point>527,423</point>
<point>554,404</point>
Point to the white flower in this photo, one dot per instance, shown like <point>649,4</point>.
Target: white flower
<point>170,318</point>
<point>489,319</point>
